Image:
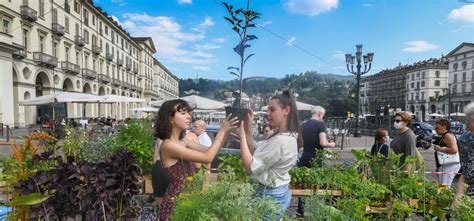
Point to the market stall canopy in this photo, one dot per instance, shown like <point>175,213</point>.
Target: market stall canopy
<point>436,115</point>
<point>145,109</point>
<point>61,98</point>
<point>111,98</point>
<point>196,102</point>
<point>457,114</point>
<point>299,105</point>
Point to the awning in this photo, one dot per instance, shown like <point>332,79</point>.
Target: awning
<point>60,98</point>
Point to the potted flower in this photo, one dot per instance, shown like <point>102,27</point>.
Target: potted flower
<point>241,20</point>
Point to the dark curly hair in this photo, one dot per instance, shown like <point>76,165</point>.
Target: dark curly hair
<point>167,110</point>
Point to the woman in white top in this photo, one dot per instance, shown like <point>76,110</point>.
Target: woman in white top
<point>269,161</point>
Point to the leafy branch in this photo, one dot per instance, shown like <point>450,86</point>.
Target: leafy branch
<point>241,20</point>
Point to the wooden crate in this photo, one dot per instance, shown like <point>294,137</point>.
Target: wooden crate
<point>329,192</point>
<point>302,192</point>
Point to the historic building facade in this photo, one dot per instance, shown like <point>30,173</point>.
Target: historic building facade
<point>71,45</point>
<point>461,76</point>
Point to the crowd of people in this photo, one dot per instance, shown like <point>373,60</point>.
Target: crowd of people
<point>182,146</point>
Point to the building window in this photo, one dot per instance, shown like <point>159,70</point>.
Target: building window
<point>76,6</point>
<point>422,95</point>
<point>418,85</point>
<point>5,26</point>
<point>41,43</point>
<point>86,17</point>
<point>86,36</point>
<point>93,20</point>
<point>472,87</point>
<point>106,30</point>
<point>66,53</point>
<point>412,77</point>
<point>66,23</point>
<point>455,89</point>
<point>422,83</point>
<point>455,66</point>
<point>113,36</point>
<point>423,75</point>
<point>437,74</point>
<point>463,88</point>
<point>464,77</point>
<point>464,65</point>
<point>77,30</point>
<point>437,83</point>
<point>418,75</point>
<point>100,27</point>
<point>41,8</point>
<point>77,57</point>
<point>55,49</point>
<point>436,94</point>
<point>25,38</point>
<point>455,78</point>
<point>86,61</point>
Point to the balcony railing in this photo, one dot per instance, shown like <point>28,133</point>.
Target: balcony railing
<point>125,85</point>
<point>28,13</point>
<point>116,82</point>
<point>88,73</point>
<point>79,40</point>
<point>70,68</point>
<point>128,66</point>
<point>19,54</point>
<point>58,29</point>
<point>104,78</point>
<point>109,57</point>
<point>119,62</point>
<point>45,59</point>
<point>96,49</point>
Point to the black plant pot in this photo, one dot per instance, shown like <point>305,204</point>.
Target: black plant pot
<point>240,113</point>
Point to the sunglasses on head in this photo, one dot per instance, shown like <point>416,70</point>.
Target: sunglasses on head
<point>397,121</point>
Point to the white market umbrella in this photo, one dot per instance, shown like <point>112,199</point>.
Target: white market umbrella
<point>145,109</point>
<point>436,115</point>
<point>61,97</point>
<point>299,105</point>
<point>196,102</point>
<point>111,98</point>
<point>458,114</point>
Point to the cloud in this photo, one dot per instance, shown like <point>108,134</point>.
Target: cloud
<point>185,2</point>
<point>200,68</point>
<point>204,25</point>
<point>367,5</point>
<point>340,55</point>
<point>219,40</point>
<point>290,41</point>
<point>119,2</point>
<point>463,28</point>
<point>419,46</point>
<point>463,14</point>
<point>173,43</point>
<point>266,23</point>
<point>309,7</point>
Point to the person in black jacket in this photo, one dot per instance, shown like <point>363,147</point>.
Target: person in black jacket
<point>380,146</point>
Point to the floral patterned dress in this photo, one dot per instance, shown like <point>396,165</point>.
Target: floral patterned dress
<point>176,175</point>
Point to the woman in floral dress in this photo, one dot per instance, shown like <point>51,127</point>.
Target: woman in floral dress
<point>176,153</point>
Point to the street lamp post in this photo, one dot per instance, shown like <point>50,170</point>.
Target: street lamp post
<point>367,59</point>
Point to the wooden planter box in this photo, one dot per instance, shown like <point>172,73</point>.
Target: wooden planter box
<point>302,192</point>
<point>376,210</point>
<point>310,192</point>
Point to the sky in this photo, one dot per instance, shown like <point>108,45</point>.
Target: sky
<point>193,39</point>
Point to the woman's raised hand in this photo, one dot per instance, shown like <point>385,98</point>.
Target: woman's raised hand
<point>248,122</point>
<point>229,123</point>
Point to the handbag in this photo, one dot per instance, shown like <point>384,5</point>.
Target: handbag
<point>445,159</point>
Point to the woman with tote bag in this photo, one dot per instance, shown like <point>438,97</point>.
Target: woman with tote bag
<point>446,155</point>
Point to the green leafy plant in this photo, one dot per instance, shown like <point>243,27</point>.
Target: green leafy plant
<point>221,201</point>
<point>138,139</point>
<point>233,166</point>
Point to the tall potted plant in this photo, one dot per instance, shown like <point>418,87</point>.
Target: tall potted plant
<point>241,20</point>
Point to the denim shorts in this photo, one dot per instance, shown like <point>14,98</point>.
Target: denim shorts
<point>282,196</point>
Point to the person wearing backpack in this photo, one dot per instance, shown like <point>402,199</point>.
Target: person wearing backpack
<point>446,153</point>
<point>177,153</point>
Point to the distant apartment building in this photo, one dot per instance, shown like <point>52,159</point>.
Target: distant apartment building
<point>72,45</point>
<point>384,90</point>
<point>461,76</point>
<point>405,88</point>
<point>426,82</point>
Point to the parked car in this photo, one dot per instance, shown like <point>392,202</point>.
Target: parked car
<point>230,147</point>
<point>424,134</point>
